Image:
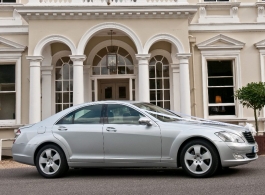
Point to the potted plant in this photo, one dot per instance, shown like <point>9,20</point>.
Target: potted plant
<point>253,96</point>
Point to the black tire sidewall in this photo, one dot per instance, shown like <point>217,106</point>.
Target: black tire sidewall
<point>213,151</point>
<point>63,166</point>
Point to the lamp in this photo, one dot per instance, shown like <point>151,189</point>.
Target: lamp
<point>218,99</point>
<point>111,57</point>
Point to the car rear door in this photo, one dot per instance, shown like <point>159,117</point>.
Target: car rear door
<point>81,132</point>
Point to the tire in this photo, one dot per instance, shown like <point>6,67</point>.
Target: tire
<point>51,162</point>
<point>199,158</point>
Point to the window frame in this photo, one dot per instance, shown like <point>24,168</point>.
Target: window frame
<point>221,55</point>
<point>14,59</point>
<point>106,119</point>
<point>233,86</point>
<point>78,109</point>
<point>1,2</point>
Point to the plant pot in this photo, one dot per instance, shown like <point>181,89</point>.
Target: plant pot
<point>261,143</point>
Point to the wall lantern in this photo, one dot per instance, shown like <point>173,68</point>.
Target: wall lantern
<point>111,56</point>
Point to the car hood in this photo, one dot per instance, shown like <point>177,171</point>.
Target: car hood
<point>213,126</point>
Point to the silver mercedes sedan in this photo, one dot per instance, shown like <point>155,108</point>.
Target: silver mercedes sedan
<point>131,134</point>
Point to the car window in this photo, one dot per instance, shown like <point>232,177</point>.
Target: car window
<point>85,115</point>
<point>121,114</point>
<point>153,108</point>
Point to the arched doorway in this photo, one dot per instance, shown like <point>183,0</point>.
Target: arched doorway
<point>116,83</point>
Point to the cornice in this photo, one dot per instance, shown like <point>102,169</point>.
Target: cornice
<point>11,46</point>
<point>108,12</point>
<point>78,57</point>
<point>14,29</point>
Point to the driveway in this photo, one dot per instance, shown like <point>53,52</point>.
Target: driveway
<point>246,179</point>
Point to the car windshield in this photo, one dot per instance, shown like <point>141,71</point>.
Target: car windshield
<point>151,108</point>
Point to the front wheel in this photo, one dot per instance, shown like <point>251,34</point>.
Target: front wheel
<point>199,158</point>
<point>51,161</point>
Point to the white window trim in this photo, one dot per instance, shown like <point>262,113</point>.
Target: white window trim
<point>16,59</point>
<point>221,55</point>
<point>261,47</point>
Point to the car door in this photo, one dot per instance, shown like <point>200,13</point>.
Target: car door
<point>81,131</point>
<point>125,140</point>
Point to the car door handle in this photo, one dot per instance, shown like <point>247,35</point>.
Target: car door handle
<point>111,129</point>
<point>62,128</point>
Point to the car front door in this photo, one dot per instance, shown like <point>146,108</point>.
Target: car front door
<point>125,140</point>
<point>81,131</point>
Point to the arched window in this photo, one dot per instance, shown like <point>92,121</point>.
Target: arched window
<point>124,66</point>
<point>63,84</point>
<point>159,81</point>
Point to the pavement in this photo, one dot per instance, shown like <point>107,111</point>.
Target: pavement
<point>244,180</point>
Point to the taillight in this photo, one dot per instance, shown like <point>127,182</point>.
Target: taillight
<point>18,132</point>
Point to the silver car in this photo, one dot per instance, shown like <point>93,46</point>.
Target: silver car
<point>131,134</point>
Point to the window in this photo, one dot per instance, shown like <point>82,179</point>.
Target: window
<point>64,84</point>
<point>7,1</point>
<point>159,110</point>
<point>125,62</point>
<point>120,114</point>
<point>159,81</point>
<point>7,92</point>
<point>86,115</point>
<point>221,87</point>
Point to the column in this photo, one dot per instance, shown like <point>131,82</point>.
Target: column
<point>185,105</point>
<point>175,87</point>
<point>46,75</point>
<point>143,77</point>
<point>87,84</point>
<point>78,78</point>
<point>34,89</point>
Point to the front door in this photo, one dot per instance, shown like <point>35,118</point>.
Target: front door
<point>127,141</point>
<point>114,90</point>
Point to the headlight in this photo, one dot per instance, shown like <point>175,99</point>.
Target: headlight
<point>229,137</point>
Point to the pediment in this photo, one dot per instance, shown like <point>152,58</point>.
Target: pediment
<point>7,45</point>
<point>220,42</point>
<point>260,45</point>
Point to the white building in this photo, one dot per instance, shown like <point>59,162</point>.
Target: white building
<point>185,55</point>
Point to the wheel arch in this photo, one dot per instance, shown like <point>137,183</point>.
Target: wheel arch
<point>191,139</point>
<point>44,144</point>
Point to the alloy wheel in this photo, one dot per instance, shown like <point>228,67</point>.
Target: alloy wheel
<point>198,159</point>
<point>49,161</point>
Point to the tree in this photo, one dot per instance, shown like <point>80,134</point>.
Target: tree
<point>252,96</point>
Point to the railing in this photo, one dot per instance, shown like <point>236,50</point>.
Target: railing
<point>1,140</point>
<point>106,2</point>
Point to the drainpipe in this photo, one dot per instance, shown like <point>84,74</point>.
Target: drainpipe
<point>192,41</point>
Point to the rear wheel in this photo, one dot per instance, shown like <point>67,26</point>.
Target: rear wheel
<point>199,158</point>
<point>51,161</point>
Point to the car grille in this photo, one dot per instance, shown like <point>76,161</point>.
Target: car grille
<point>251,155</point>
<point>249,137</point>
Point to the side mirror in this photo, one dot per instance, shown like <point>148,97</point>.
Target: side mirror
<point>145,121</point>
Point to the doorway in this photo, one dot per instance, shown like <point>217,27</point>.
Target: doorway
<point>113,89</point>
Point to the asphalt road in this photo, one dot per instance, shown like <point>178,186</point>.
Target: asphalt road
<point>246,179</point>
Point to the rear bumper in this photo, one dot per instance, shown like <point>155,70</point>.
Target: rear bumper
<point>23,153</point>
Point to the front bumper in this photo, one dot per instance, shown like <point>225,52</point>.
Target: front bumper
<point>234,154</point>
